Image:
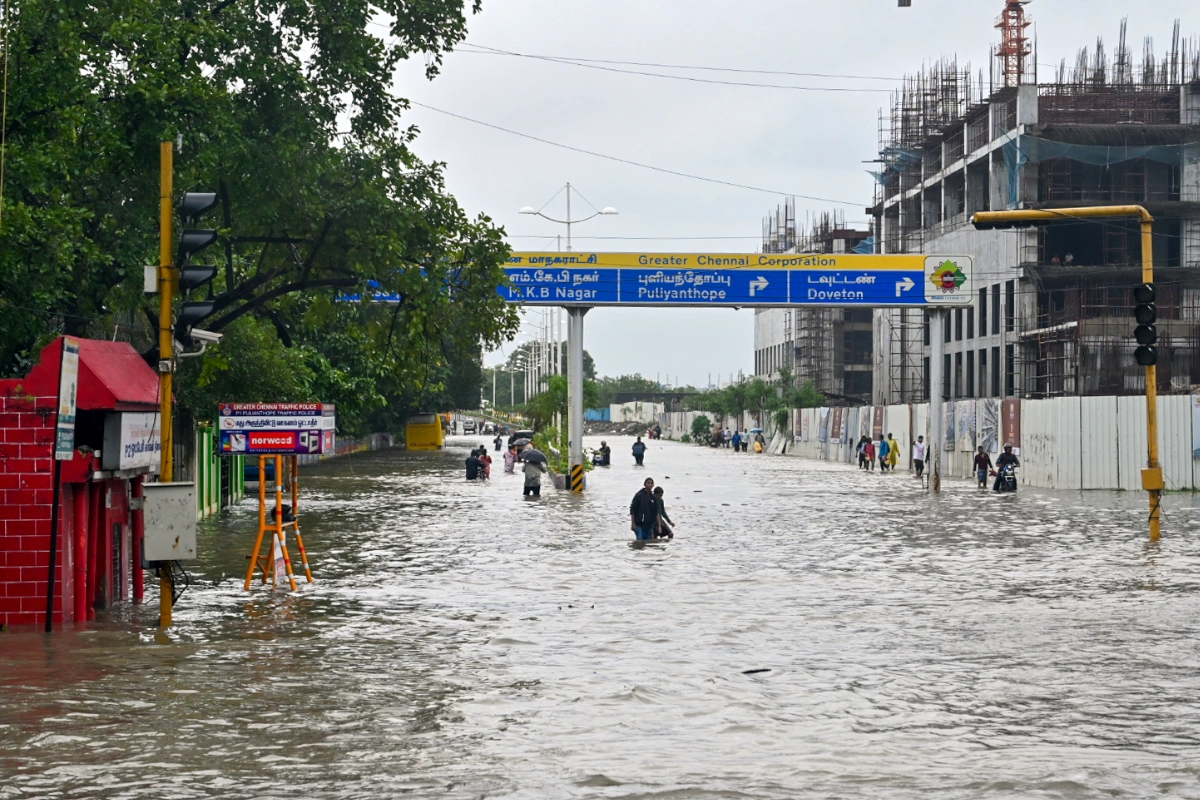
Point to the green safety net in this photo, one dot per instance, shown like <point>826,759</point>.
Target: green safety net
<point>1024,149</point>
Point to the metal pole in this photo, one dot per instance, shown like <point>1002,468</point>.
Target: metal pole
<point>937,321</point>
<point>575,393</point>
<point>1152,478</point>
<point>166,346</point>
<point>50,582</point>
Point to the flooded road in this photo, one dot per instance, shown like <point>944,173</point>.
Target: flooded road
<point>463,643</point>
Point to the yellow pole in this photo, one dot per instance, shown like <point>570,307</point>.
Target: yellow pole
<point>295,463</point>
<point>1152,478</point>
<point>262,523</point>
<point>166,286</point>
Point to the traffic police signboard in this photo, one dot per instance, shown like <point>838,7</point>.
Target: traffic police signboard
<point>756,279</point>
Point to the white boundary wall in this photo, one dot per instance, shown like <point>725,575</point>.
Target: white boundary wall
<point>1065,442</point>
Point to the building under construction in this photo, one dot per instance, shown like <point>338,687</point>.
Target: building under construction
<point>830,347</point>
<point>1053,312</point>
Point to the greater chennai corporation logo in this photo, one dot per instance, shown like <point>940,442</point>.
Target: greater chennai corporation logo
<point>948,277</point>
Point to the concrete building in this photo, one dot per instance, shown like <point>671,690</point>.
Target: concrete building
<point>1053,311</point>
<point>830,347</point>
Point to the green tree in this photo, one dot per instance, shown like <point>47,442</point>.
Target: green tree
<point>609,388</point>
<point>701,429</point>
<point>285,107</point>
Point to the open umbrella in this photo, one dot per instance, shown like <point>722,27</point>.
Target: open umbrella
<point>534,456</point>
<point>756,430</point>
<point>520,442</point>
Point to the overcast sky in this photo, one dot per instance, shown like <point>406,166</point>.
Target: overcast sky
<point>786,141</point>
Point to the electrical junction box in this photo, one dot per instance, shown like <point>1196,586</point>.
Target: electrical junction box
<point>169,518</point>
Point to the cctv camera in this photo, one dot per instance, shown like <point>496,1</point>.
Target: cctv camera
<point>206,336</point>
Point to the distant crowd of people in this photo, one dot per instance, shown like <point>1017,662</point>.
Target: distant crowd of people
<point>740,442</point>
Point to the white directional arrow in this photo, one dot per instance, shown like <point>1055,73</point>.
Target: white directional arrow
<point>761,284</point>
<point>902,286</point>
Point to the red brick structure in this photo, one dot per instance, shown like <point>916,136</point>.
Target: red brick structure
<point>99,558</point>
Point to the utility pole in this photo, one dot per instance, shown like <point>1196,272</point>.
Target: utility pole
<point>166,351</point>
<point>1146,333</point>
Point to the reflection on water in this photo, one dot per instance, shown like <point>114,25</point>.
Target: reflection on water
<point>812,631</point>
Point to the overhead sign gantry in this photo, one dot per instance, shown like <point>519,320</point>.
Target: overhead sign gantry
<point>581,281</point>
<point>740,280</point>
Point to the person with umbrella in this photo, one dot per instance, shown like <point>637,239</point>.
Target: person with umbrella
<point>533,464</point>
<point>760,441</point>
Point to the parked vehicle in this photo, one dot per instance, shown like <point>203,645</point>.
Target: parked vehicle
<point>468,426</point>
<point>424,432</point>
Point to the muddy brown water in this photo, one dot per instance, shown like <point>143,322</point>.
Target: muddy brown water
<point>813,631</point>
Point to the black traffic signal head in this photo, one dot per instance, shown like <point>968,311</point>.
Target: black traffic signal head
<point>193,241</point>
<point>1146,333</point>
<point>191,277</point>
<point>190,315</point>
<point>193,204</point>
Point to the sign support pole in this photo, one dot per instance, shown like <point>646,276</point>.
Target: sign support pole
<point>1152,476</point>
<point>575,393</point>
<point>53,547</point>
<point>937,414</point>
<point>166,356</point>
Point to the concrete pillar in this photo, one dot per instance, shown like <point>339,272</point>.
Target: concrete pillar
<point>938,319</point>
<point>575,384</point>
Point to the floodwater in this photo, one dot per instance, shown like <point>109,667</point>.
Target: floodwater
<point>463,643</point>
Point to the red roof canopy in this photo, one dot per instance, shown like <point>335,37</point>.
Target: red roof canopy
<point>112,377</point>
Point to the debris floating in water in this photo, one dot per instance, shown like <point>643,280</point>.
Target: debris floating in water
<point>754,671</point>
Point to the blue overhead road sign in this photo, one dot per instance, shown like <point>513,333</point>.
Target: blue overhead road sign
<point>704,287</point>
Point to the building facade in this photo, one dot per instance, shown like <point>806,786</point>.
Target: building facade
<point>1053,312</point>
<point>832,348</point>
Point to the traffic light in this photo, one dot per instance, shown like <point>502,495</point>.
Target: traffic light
<point>1146,333</point>
<point>191,277</point>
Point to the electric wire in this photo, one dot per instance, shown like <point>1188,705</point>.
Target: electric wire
<point>742,71</point>
<point>631,163</point>
<point>687,78</point>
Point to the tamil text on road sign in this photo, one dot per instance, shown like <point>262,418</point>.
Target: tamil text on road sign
<point>276,428</point>
<point>737,279</point>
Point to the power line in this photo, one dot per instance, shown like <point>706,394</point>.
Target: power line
<point>600,66</point>
<point>628,162</point>
<point>692,67</point>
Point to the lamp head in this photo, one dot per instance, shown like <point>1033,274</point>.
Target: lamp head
<point>528,210</point>
<point>609,210</point>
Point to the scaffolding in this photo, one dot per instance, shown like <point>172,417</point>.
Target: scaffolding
<point>1081,343</point>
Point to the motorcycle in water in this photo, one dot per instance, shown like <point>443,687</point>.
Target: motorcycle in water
<point>1008,479</point>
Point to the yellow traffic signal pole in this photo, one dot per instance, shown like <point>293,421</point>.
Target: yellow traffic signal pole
<point>1152,476</point>
<point>166,346</point>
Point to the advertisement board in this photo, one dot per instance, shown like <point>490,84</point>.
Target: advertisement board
<point>1010,424</point>
<point>276,428</point>
<point>68,388</point>
<point>132,440</point>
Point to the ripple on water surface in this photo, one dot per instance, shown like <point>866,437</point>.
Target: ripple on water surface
<point>813,631</point>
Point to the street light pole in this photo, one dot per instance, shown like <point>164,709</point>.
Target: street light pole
<point>1152,476</point>
<point>554,349</point>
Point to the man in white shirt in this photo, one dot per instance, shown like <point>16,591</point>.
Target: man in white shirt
<point>919,448</point>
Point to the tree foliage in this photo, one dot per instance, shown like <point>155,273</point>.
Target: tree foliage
<point>286,109</point>
<point>760,397</point>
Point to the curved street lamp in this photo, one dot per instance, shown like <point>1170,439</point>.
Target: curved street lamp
<point>608,211</point>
